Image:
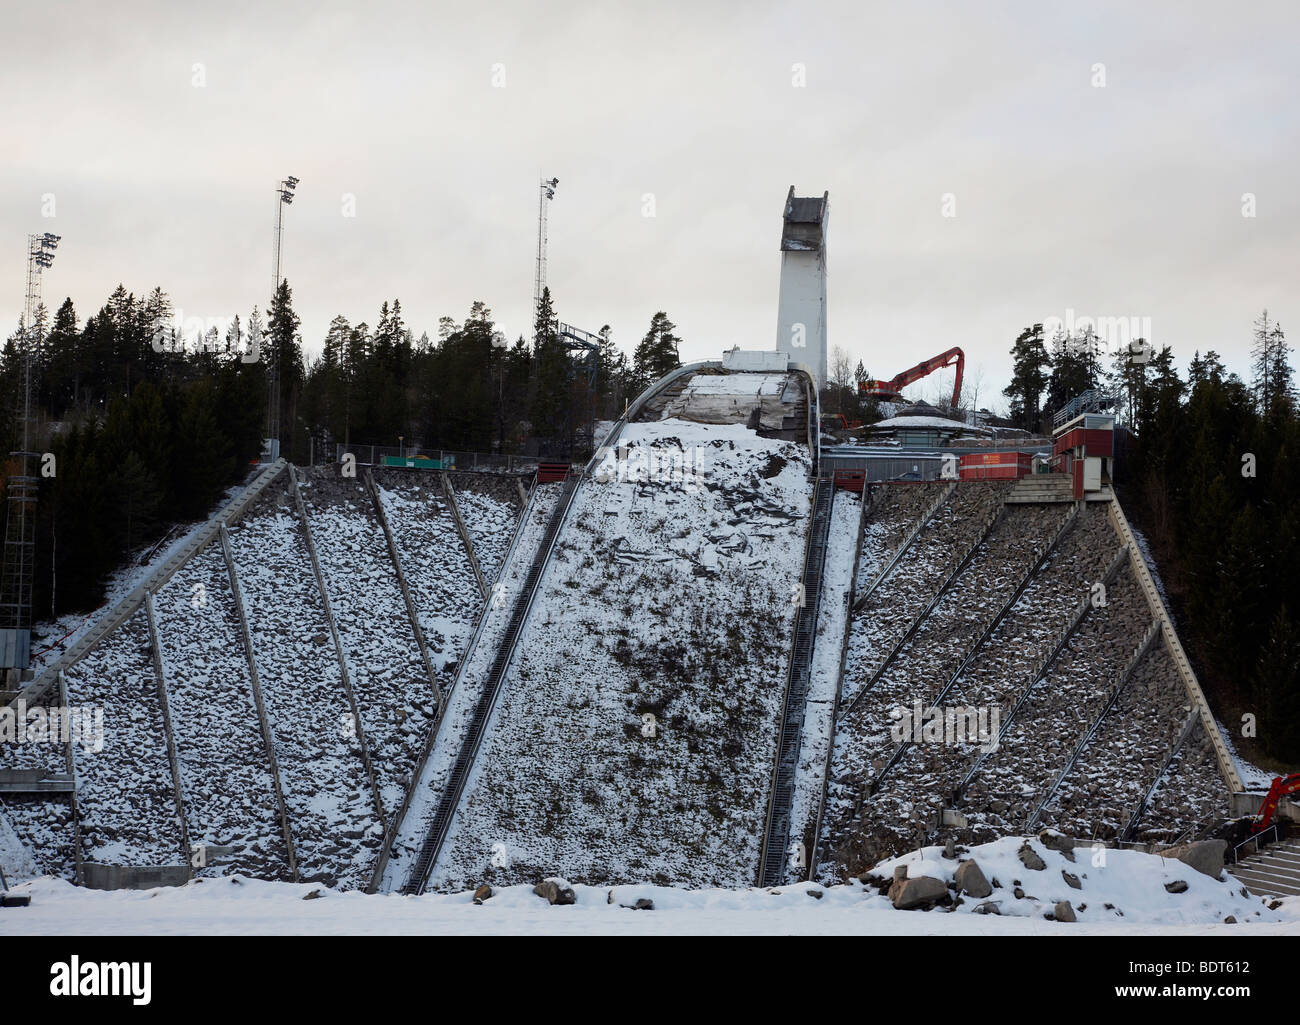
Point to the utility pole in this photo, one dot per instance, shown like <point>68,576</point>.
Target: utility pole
<point>17,576</point>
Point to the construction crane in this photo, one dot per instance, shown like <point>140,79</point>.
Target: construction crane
<point>1283,786</point>
<point>890,390</point>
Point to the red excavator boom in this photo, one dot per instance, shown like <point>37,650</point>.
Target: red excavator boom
<point>889,390</point>
<point>1282,786</point>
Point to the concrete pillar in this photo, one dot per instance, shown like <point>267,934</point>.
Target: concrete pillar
<point>801,310</point>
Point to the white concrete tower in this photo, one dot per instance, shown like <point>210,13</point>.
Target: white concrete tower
<point>801,313</point>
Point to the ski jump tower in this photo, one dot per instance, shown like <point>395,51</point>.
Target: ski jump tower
<point>801,312</point>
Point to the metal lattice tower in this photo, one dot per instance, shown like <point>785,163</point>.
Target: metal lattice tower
<point>546,192</point>
<point>284,194</point>
<point>19,565</point>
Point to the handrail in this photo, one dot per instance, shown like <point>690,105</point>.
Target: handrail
<point>1255,839</point>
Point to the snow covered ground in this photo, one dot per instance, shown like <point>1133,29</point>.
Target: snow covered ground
<point>670,595</point>
<point>490,507</point>
<point>465,695</point>
<point>434,563</point>
<point>1132,884</point>
<point>394,694</point>
<point>832,618</point>
<point>125,794</point>
<point>226,781</point>
<point>335,826</point>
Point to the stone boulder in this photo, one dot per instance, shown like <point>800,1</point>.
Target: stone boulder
<point>1055,840</point>
<point>1062,912</point>
<point>1030,859</point>
<point>921,892</point>
<point>970,880</point>
<point>1206,856</point>
<point>556,891</point>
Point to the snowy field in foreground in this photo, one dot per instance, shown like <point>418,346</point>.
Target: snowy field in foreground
<point>1132,882</point>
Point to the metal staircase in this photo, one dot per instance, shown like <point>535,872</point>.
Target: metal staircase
<point>150,584</point>
<point>1272,871</point>
<point>776,834</point>
<point>451,793</point>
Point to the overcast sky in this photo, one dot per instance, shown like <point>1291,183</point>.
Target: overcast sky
<point>1121,200</point>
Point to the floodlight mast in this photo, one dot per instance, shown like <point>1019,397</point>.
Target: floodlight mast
<point>546,192</point>
<point>284,192</point>
<point>18,569</point>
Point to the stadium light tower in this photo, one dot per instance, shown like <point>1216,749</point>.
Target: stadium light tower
<point>284,192</point>
<point>17,574</point>
<point>546,192</point>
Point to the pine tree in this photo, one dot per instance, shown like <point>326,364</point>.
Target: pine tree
<point>1277,682</point>
<point>284,348</point>
<point>657,353</point>
<point>1028,377</point>
<point>551,424</point>
<point>611,377</point>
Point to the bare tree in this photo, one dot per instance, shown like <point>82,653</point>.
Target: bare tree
<point>971,384</point>
<point>841,375</point>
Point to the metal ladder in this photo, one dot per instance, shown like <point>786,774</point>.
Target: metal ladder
<point>451,792</point>
<point>776,835</point>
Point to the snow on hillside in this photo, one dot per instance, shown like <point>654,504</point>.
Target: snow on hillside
<point>464,696</point>
<point>669,595</point>
<point>336,829</point>
<point>394,694</point>
<point>1133,884</point>
<point>437,570</point>
<point>225,772</point>
<point>490,504</point>
<point>124,792</point>
<point>832,617</point>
